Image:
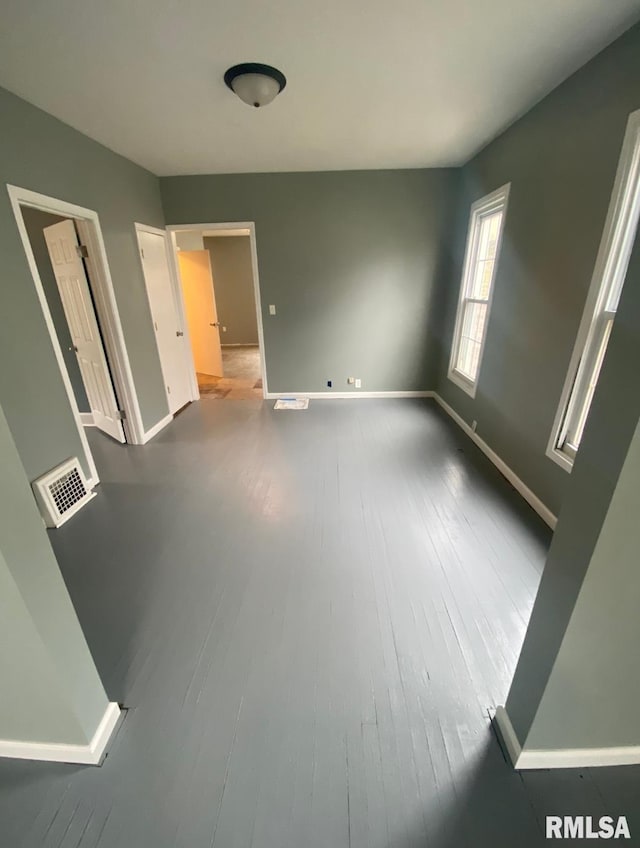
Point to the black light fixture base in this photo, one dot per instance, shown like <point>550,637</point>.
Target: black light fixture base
<point>254,68</point>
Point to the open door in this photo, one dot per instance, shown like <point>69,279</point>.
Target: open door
<point>68,267</point>
<point>200,307</point>
<point>169,334</point>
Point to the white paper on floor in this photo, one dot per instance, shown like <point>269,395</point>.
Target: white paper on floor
<point>291,403</point>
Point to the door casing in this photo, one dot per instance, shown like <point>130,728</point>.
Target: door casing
<point>88,224</point>
<point>249,226</point>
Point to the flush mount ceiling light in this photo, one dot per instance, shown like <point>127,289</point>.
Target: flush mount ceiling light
<point>255,84</point>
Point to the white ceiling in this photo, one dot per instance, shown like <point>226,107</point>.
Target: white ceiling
<point>371,84</point>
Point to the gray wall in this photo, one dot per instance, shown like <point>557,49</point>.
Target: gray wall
<point>189,240</point>
<point>35,220</point>
<point>233,284</point>
<point>561,161</point>
<point>40,153</point>
<point>592,697</point>
<point>609,432</point>
<point>351,261</point>
<point>51,691</point>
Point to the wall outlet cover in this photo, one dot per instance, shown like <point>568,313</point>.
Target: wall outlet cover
<point>358,383</point>
<point>272,309</point>
<point>351,380</point>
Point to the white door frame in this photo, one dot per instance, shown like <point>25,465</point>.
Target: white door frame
<point>106,308</point>
<point>235,225</point>
<point>176,292</point>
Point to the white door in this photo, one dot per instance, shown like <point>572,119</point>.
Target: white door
<point>68,267</point>
<point>200,306</point>
<point>164,313</point>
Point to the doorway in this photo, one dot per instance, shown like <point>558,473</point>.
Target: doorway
<point>86,313</point>
<point>216,269</point>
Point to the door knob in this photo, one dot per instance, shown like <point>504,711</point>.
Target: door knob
<point>179,333</point>
<point>215,324</point>
<point>74,348</point>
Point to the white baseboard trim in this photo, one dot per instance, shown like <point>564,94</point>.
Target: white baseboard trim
<point>156,429</point>
<point>532,499</point>
<point>561,758</point>
<point>347,395</point>
<point>90,754</point>
<point>508,735</point>
<point>87,420</point>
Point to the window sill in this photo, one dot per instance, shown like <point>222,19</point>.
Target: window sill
<point>560,458</point>
<point>463,383</point>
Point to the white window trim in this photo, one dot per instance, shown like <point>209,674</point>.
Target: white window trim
<point>498,199</point>
<point>613,257</point>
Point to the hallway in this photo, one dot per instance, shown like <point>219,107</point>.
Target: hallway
<point>307,617</point>
<point>242,379</point>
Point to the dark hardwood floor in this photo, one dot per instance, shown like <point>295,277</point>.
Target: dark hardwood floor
<point>308,616</point>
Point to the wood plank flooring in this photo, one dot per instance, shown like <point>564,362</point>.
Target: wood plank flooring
<point>308,615</point>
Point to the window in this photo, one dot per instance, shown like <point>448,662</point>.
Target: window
<point>602,302</point>
<point>481,257</point>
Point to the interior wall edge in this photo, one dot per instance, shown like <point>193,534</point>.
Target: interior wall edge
<point>90,754</point>
<point>532,759</point>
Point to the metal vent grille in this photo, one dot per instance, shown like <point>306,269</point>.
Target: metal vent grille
<point>67,490</point>
<point>61,493</point>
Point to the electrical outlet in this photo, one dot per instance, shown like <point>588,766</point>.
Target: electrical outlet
<point>272,309</point>
<point>224,329</point>
<point>351,380</point>
<point>474,424</point>
<point>358,383</point>
<point>329,383</point>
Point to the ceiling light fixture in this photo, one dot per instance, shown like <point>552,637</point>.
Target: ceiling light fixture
<point>255,84</point>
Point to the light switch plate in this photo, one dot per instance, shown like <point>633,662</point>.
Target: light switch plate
<point>272,309</point>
